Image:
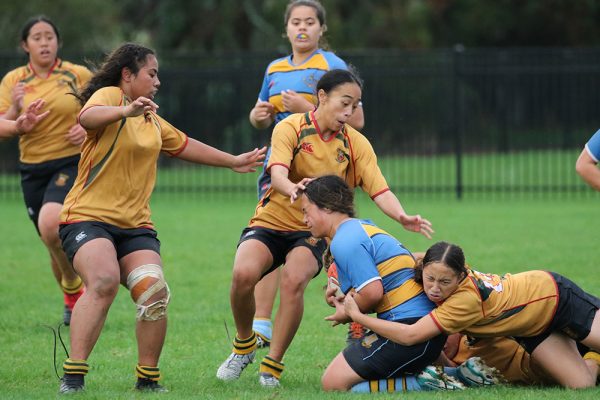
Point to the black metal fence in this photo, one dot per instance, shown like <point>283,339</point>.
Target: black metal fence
<point>459,122</point>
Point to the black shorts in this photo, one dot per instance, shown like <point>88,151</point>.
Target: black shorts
<point>376,357</point>
<point>126,241</point>
<point>281,243</point>
<point>574,315</point>
<point>46,182</point>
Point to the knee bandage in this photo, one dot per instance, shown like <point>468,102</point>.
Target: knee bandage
<point>143,283</point>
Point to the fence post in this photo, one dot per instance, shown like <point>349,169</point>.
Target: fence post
<point>457,117</point>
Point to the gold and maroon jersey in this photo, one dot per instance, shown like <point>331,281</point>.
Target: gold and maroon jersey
<point>507,356</point>
<point>298,145</point>
<point>47,140</point>
<point>522,304</point>
<point>117,170</point>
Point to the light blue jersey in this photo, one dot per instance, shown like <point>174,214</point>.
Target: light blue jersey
<point>593,146</point>
<point>283,75</point>
<point>364,253</point>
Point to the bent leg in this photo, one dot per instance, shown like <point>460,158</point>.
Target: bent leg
<point>300,267</point>
<point>150,333</point>
<point>559,356</point>
<point>48,225</point>
<point>96,262</point>
<point>252,259</point>
<point>339,375</point>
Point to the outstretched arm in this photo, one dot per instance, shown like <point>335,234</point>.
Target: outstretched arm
<point>407,335</point>
<point>200,153</point>
<point>587,168</point>
<point>281,182</point>
<point>25,122</point>
<point>390,205</point>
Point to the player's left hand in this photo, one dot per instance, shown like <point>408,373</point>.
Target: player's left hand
<point>294,102</point>
<point>76,134</point>
<point>415,223</point>
<point>247,162</point>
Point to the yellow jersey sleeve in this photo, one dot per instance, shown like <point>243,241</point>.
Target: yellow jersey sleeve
<point>366,173</point>
<point>459,311</point>
<point>283,144</point>
<point>173,140</point>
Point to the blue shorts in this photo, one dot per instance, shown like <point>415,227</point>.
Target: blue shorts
<point>376,357</point>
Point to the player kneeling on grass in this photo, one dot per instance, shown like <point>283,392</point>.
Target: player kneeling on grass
<point>379,270</point>
<point>106,229</point>
<point>547,313</point>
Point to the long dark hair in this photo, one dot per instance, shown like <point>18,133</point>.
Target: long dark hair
<point>333,193</point>
<point>446,253</point>
<point>128,55</point>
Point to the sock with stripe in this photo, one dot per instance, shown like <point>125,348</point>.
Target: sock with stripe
<point>263,327</point>
<point>244,346</point>
<point>406,383</point>
<point>271,366</point>
<point>71,287</point>
<point>146,372</point>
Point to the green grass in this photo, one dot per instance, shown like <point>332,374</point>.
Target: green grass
<point>524,175</point>
<point>198,243</point>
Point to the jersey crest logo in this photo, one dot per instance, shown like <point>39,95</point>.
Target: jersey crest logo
<point>307,147</point>
<point>368,340</point>
<point>312,241</point>
<point>61,180</point>
<point>340,156</point>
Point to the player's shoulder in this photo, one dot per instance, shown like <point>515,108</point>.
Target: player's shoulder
<point>333,60</point>
<point>18,74</point>
<point>80,71</point>
<point>278,64</point>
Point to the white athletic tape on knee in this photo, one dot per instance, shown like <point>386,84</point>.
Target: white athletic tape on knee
<point>158,309</point>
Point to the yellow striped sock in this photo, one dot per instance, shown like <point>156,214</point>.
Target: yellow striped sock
<point>374,386</point>
<point>244,346</point>
<point>71,366</point>
<point>270,366</point>
<point>143,371</point>
<point>71,287</point>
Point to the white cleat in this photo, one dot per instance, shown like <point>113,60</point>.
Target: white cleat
<point>234,365</point>
<point>475,372</point>
<point>267,380</point>
<point>433,378</point>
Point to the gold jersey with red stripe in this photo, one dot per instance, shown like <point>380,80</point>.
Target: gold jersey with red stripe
<point>522,304</point>
<point>117,170</point>
<point>298,145</point>
<point>47,140</point>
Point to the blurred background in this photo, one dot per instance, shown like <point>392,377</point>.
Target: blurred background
<point>462,98</point>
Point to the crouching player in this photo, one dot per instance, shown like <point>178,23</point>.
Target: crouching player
<point>380,271</point>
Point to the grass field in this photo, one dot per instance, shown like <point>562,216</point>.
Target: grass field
<point>198,242</point>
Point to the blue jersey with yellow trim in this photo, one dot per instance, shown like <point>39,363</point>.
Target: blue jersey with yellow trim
<point>282,75</point>
<point>593,146</point>
<point>364,253</point>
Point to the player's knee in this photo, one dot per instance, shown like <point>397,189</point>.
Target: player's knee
<point>293,285</point>
<point>149,291</point>
<point>104,286</point>
<point>49,232</point>
<point>244,279</point>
